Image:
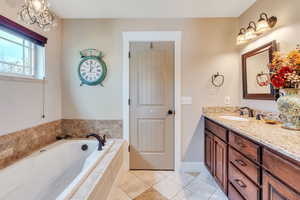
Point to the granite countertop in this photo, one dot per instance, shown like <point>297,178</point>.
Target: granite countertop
<point>281,140</point>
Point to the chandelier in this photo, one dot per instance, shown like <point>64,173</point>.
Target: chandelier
<point>37,12</point>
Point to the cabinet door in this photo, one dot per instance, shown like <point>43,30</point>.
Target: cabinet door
<point>220,163</point>
<point>209,147</point>
<point>275,190</point>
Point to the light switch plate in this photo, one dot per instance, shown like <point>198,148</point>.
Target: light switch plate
<point>186,100</point>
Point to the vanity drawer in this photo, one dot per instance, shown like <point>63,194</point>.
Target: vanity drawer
<point>233,194</point>
<point>244,185</point>
<point>216,129</point>
<point>245,165</point>
<point>283,169</point>
<point>248,148</point>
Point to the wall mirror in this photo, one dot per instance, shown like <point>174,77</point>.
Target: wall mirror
<point>255,71</point>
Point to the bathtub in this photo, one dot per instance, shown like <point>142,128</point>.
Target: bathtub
<point>53,173</point>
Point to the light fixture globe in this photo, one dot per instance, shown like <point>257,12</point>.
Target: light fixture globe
<point>241,37</point>
<point>272,21</point>
<point>251,31</point>
<point>262,26</point>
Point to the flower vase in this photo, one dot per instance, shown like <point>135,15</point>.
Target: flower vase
<point>289,106</point>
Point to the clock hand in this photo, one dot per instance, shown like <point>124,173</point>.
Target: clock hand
<point>90,68</point>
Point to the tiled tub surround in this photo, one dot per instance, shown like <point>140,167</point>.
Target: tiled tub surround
<point>22,143</point>
<point>80,128</point>
<point>284,141</point>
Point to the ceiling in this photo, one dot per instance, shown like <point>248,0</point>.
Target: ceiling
<point>149,8</point>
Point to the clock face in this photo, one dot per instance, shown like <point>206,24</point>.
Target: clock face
<point>91,70</point>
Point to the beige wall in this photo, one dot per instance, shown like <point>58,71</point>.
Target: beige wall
<point>208,46</point>
<point>21,101</point>
<point>286,32</point>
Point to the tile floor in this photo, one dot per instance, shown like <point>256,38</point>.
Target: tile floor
<point>166,185</point>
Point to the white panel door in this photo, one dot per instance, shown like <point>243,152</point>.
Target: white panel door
<point>152,105</point>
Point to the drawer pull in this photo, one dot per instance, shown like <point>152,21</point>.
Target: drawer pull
<point>240,162</point>
<point>240,183</point>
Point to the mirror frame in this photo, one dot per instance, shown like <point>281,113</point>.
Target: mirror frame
<point>271,47</point>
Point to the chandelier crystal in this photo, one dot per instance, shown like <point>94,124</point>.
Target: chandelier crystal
<point>37,12</point>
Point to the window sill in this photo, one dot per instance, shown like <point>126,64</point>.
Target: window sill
<point>6,77</point>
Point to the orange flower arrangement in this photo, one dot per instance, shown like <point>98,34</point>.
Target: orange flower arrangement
<point>285,70</point>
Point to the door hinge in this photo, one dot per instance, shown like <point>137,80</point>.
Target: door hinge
<point>129,102</point>
<point>129,55</point>
<point>128,148</point>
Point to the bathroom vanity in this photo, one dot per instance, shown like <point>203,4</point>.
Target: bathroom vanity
<point>249,162</point>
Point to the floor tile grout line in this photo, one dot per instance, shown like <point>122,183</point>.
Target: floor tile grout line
<point>150,186</point>
<point>213,194</point>
<point>143,180</point>
<point>202,181</point>
<point>126,194</point>
<point>184,187</point>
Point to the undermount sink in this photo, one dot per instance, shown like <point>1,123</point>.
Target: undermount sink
<point>234,118</point>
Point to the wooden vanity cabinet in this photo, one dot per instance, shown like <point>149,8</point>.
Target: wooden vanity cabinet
<point>216,153</point>
<point>282,168</point>
<point>245,146</point>
<point>248,170</point>
<point>244,168</point>
<point>220,163</point>
<point>209,149</point>
<point>273,189</point>
<point>216,129</point>
<point>281,179</point>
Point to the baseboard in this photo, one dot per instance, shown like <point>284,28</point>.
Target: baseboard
<point>192,167</point>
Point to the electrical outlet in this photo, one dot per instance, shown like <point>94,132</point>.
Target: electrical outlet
<point>227,100</point>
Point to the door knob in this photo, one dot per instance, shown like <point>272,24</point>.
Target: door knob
<point>170,112</point>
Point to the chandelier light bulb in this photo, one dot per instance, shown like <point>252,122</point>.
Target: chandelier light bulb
<point>37,5</point>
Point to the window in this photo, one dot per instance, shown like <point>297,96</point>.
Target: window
<point>18,56</point>
<point>21,51</point>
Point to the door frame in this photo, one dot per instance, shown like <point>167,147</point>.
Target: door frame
<point>155,36</point>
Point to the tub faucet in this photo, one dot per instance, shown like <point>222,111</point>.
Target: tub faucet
<point>100,140</point>
<point>250,111</point>
<point>104,139</point>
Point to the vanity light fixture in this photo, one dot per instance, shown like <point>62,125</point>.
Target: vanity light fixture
<point>265,23</point>
<point>251,31</point>
<point>256,29</point>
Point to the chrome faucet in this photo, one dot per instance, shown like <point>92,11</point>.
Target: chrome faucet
<point>100,140</point>
<point>250,111</point>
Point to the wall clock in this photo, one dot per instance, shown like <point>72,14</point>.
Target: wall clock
<point>92,69</point>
